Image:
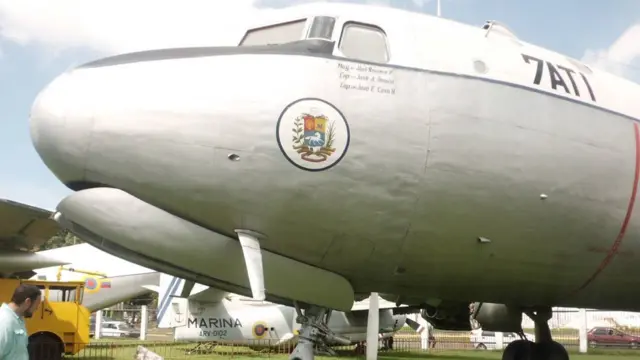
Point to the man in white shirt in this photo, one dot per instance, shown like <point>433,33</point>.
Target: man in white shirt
<point>13,334</point>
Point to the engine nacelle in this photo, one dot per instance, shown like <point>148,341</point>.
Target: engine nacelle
<point>447,318</point>
<point>118,223</point>
<point>441,314</point>
<point>497,317</point>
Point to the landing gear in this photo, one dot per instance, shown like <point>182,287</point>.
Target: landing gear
<point>544,348</point>
<point>388,343</point>
<point>314,333</point>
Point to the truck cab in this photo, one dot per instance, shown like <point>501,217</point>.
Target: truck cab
<point>60,325</point>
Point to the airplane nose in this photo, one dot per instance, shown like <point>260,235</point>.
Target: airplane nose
<point>60,125</point>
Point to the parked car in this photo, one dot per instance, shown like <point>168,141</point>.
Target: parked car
<point>611,337</point>
<point>105,319</point>
<point>483,340</point>
<point>118,329</point>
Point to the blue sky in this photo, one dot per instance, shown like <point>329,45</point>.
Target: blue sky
<point>40,39</point>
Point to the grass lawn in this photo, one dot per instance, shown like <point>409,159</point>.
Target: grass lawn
<point>450,346</point>
<point>177,351</point>
<point>445,355</point>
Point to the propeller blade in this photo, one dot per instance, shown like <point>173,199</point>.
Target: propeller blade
<point>415,325</point>
<point>373,326</point>
<point>285,338</point>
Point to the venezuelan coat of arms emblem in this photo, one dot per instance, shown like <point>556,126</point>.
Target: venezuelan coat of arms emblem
<point>313,134</point>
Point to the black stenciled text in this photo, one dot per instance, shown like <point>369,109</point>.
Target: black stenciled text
<point>561,77</point>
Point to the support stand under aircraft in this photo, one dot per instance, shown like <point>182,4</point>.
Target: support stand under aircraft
<point>314,332</point>
<point>544,347</point>
<point>498,317</point>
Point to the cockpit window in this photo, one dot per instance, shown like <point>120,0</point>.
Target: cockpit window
<point>321,27</point>
<point>364,42</point>
<point>275,34</point>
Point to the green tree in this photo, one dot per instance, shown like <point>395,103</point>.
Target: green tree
<point>61,239</point>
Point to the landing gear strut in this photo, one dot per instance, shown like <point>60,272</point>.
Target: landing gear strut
<point>544,348</point>
<point>314,333</point>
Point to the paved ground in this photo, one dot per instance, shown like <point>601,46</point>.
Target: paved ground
<point>160,334</point>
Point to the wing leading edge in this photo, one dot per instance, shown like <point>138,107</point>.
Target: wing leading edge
<point>23,230</point>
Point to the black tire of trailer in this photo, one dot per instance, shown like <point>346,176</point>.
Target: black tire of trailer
<point>45,346</point>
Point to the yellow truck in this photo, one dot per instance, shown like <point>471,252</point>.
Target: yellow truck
<point>60,325</point>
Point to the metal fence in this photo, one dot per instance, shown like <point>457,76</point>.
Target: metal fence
<point>403,342</point>
<point>564,318</point>
<point>111,349</point>
<point>564,326</point>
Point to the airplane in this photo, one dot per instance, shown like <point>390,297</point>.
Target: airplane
<point>109,280</point>
<point>24,228</point>
<point>341,150</point>
<point>208,314</point>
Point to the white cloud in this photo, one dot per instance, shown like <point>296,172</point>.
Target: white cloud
<point>111,26</point>
<point>404,4</point>
<point>620,57</point>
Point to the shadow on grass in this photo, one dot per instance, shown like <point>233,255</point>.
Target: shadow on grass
<point>445,354</point>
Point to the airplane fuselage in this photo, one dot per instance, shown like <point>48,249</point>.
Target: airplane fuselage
<point>466,165</point>
<point>262,325</point>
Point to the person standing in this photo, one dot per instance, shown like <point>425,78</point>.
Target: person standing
<point>14,339</point>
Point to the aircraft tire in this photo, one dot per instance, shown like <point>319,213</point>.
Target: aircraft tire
<point>550,351</point>
<point>519,350</point>
<point>44,347</point>
<point>527,350</point>
<point>302,351</point>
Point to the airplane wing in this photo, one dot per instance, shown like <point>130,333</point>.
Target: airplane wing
<point>23,229</point>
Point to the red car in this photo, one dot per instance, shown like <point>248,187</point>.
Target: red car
<point>610,337</point>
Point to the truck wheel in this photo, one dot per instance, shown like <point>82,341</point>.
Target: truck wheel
<point>44,347</point>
